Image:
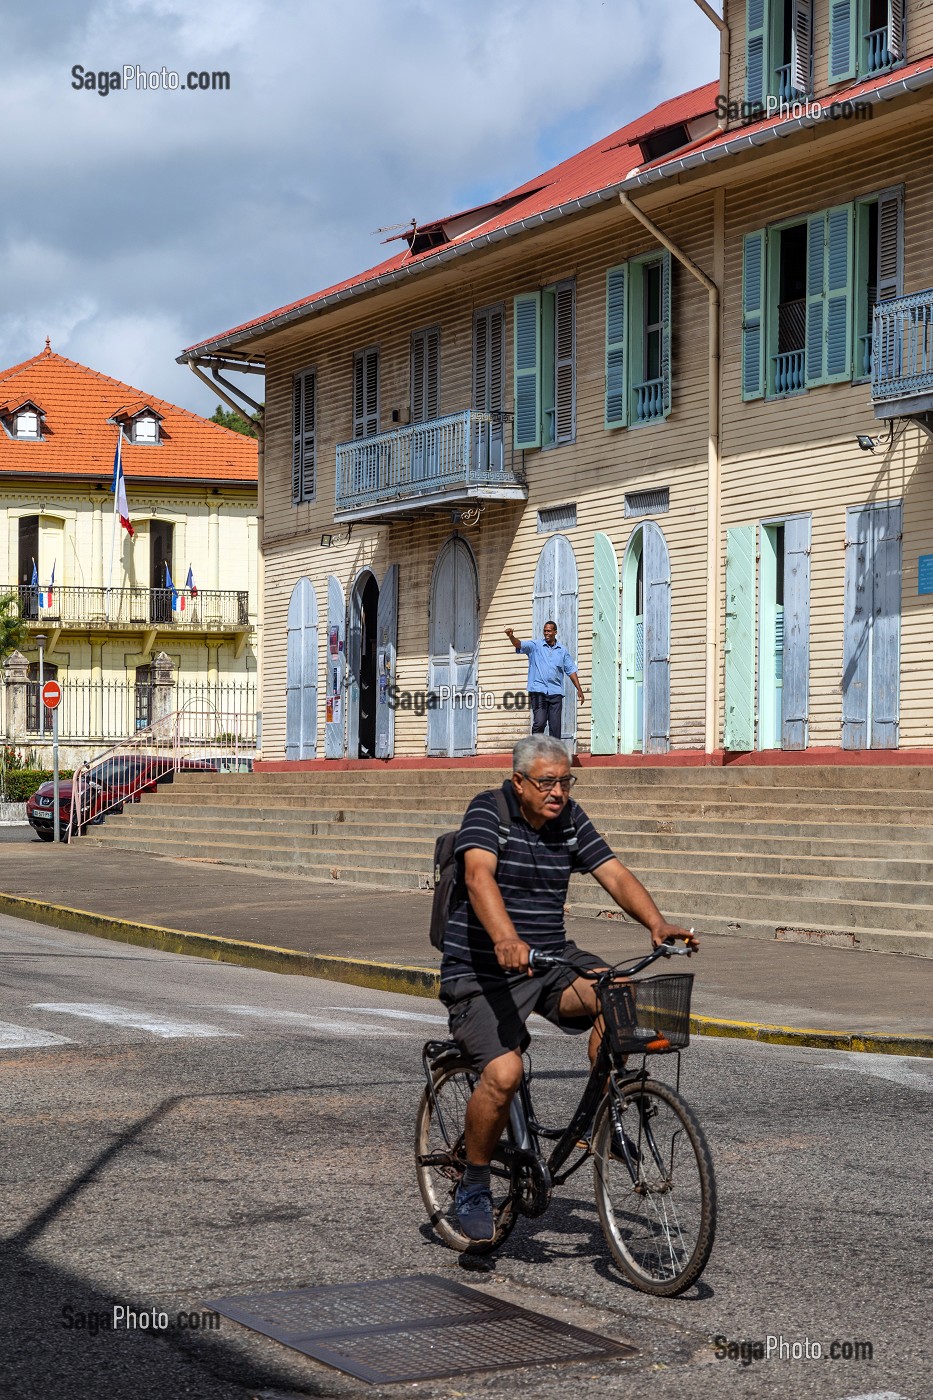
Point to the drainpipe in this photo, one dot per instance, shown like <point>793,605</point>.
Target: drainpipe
<point>714,469</point>
<point>724,46</point>
<point>227,393</point>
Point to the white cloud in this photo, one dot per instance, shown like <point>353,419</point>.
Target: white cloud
<point>207,208</point>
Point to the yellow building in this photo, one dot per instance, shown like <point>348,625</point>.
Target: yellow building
<point>101,600</point>
<point>671,393</point>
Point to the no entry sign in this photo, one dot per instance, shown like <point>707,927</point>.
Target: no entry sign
<point>51,695</point>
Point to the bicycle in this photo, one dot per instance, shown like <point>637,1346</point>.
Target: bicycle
<point>652,1170</point>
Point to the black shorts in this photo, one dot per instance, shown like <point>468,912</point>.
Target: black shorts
<point>487,1018</point>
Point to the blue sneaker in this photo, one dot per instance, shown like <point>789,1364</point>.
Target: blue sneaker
<point>473,1206</point>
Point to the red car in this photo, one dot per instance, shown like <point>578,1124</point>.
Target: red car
<point>105,788</point>
<point>40,808</point>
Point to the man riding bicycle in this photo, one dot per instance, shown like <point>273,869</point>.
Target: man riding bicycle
<point>515,903</point>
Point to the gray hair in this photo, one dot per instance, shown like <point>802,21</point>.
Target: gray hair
<point>536,746</point>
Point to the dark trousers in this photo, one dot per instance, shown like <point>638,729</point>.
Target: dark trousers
<point>546,713</point>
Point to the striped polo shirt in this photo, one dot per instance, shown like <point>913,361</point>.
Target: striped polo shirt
<point>533,874</point>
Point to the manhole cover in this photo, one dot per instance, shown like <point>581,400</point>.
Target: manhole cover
<point>411,1329</point>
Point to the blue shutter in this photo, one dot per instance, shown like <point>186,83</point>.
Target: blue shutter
<point>657,640</point>
<point>565,382</point>
<point>555,596</point>
<point>753,306</point>
<point>796,648</point>
<point>816,300</point>
<point>842,39</point>
<point>604,714</point>
<point>886,625</point>
<point>301,673</point>
<point>856,628</point>
<point>739,728</point>
<point>756,63</point>
<point>386,646</point>
<point>528,370</point>
<point>616,390</point>
<point>336,659</point>
<point>666,331</point>
<point>839,255</point>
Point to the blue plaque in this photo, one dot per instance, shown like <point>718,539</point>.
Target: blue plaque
<point>925,573</point>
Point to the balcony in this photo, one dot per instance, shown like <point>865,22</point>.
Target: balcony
<point>151,610</point>
<point>902,356</point>
<point>464,457</point>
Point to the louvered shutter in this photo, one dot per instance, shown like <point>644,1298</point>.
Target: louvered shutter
<point>896,28</point>
<point>842,39</point>
<point>890,272</point>
<point>418,414</point>
<point>366,393</point>
<point>816,299</point>
<point>564,363</point>
<point>528,370</point>
<point>303,412</point>
<point>739,728</point>
<point>802,45</point>
<point>666,331</point>
<point>756,16</point>
<point>297,397</point>
<point>753,297</point>
<point>839,227</point>
<point>496,360</point>
<point>481,361</point>
<point>616,391</point>
<point>425,375</point>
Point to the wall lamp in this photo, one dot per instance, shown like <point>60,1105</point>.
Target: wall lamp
<point>868,444</point>
<point>327,541</point>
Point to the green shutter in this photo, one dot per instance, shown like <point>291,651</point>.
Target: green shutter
<point>756,58</point>
<point>666,330</point>
<point>739,729</point>
<point>616,391</point>
<point>843,15</point>
<point>605,688</point>
<point>528,370</point>
<point>839,224</point>
<point>816,300</point>
<point>753,304</point>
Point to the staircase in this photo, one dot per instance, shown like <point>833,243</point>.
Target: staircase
<point>838,855</point>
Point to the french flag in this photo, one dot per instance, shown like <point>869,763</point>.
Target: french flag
<point>169,583</point>
<point>118,487</point>
<point>45,599</point>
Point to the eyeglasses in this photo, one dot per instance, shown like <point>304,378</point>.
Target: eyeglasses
<point>547,784</point>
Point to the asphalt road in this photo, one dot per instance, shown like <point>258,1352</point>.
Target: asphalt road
<point>175,1131</point>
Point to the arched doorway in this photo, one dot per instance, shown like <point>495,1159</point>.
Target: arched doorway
<point>301,673</point>
<point>362,637</point>
<point>555,598</point>
<point>454,643</point>
<point>646,632</point>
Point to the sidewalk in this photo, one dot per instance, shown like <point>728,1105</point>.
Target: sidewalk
<point>756,981</point>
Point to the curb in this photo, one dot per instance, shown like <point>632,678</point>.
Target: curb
<point>413,981</point>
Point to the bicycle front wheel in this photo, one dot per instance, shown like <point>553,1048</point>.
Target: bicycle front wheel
<point>440,1157</point>
<point>654,1185</point>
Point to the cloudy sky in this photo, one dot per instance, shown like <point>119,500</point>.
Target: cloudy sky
<point>137,223</point>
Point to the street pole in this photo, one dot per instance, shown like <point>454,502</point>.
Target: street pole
<point>40,642</point>
<point>56,820</point>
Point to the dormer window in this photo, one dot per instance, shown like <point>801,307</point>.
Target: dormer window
<point>26,424</point>
<point>146,429</point>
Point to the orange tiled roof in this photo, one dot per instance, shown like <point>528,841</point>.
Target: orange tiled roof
<point>591,173</point>
<point>78,440</point>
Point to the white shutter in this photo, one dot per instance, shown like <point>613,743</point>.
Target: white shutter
<point>802,45</point>
<point>890,272</point>
<point>896,28</point>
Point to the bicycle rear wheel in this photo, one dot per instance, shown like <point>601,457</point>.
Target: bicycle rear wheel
<point>440,1157</point>
<point>656,1194</point>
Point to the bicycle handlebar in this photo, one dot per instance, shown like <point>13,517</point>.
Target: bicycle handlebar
<point>540,962</point>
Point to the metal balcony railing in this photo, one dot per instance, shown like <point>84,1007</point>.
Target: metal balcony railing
<point>464,454</point>
<point>902,348</point>
<point>180,609</point>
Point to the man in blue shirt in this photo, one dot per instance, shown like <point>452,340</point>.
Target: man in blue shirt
<point>548,664</point>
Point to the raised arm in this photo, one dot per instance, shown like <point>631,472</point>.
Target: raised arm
<point>516,641</point>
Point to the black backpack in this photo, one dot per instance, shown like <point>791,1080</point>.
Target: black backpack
<point>449,887</point>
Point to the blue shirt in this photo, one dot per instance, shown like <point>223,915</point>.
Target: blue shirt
<point>547,666</point>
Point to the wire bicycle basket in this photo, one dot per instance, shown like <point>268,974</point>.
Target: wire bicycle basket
<point>650,1017</point>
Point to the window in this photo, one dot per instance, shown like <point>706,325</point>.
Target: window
<point>365,393</point>
<point>143,697</point>
<point>778,50</point>
<point>865,37</point>
<point>545,374</point>
<point>26,424</point>
<point>555,519</point>
<point>638,341</point>
<point>39,719</point>
<point>661,143</point>
<point>809,289</point>
<point>425,375</point>
<point>146,429</point>
<point>303,416</point>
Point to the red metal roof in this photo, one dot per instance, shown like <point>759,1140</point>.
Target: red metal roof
<point>78,439</point>
<point>600,167</point>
